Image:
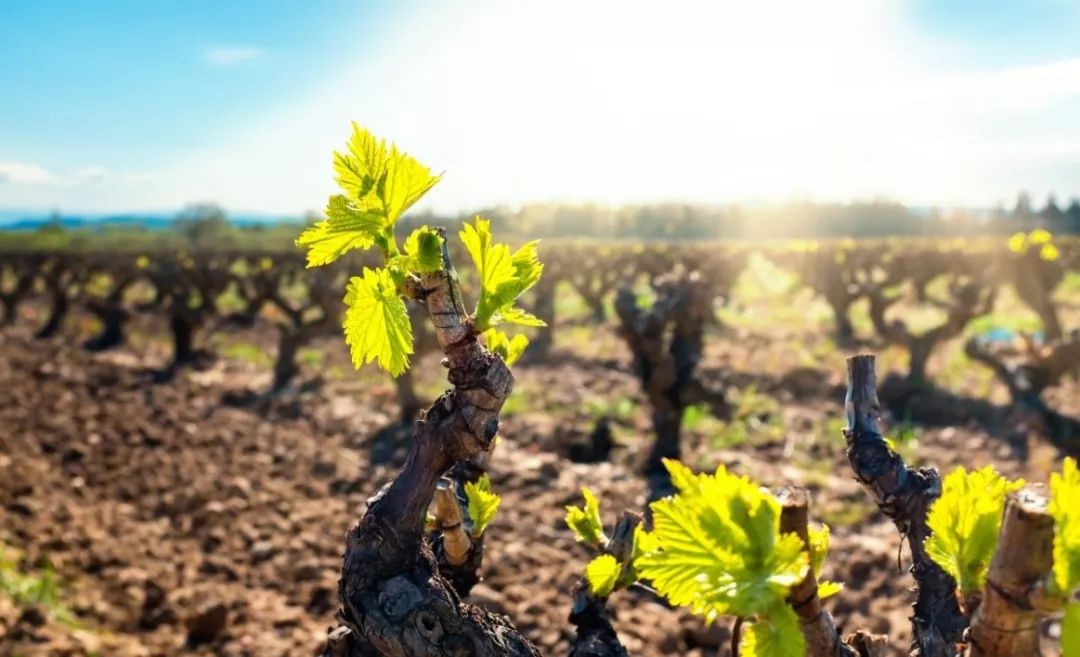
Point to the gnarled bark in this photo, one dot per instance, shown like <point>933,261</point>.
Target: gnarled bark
<point>392,593</point>
<point>904,494</point>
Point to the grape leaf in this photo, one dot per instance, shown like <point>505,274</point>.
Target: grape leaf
<point>827,589</point>
<point>602,573</point>
<point>965,522</point>
<point>509,349</point>
<point>585,521</point>
<point>380,183</point>
<point>377,325</point>
<point>1065,509</point>
<point>423,248</point>
<point>1070,630</point>
<point>720,548</point>
<point>483,503</point>
<point>819,549</point>
<point>346,228</point>
<point>504,276</point>
<point>380,179</point>
<point>775,634</point>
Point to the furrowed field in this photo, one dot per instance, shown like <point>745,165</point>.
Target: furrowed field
<point>184,441</point>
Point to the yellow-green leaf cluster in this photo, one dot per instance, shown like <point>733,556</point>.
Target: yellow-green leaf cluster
<point>602,573</point>
<point>775,633</point>
<point>380,183</point>
<point>483,503</point>
<point>423,251</point>
<point>717,548</point>
<point>510,349</point>
<point>585,520</point>
<point>1040,238</point>
<point>504,276</point>
<point>377,323</point>
<point>965,522</point>
<point>819,549</point>
<point>1065,509</point>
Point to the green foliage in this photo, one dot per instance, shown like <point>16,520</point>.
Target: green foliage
<point>377,325</point>
<point>965,522</point>
<point>819,549</point>
<point>380,183</point>
<point>602,574</point>
<point>717,548</point>
<point>1070,630</point>
<point>423,251</point>
<point>343,231</point>
<point>510,349</point>
<point>483,503</point>
<point>27,589</point>
<point>777,635</point>
<point>585,521</point>
<point>503,276</point>
<point>1065,509</point>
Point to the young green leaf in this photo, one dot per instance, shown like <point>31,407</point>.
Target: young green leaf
<point>1065,509</point>
<point>380,184</point>
<point>720,550</point>
<point>775,634</point>
<point>965,522</point>
<point>819,549</point>
<point>828,588</point>
<point>483,503</point>
<point>1070,630</point>
<point>379,178</point>
<point>423,249</point>
<point>503,276</point>
<point>377,323</point>
<point>585,521</point>
<point>510,349</point>
<point>602,573</point>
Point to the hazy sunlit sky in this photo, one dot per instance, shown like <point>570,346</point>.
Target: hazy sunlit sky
<point>126,106</point>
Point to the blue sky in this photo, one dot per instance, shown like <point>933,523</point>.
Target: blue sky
<point>126,106</point>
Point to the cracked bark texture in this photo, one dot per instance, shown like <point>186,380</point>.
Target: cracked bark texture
<point>904,494</point>
<point>1008,621</point>
<point>393,597</point>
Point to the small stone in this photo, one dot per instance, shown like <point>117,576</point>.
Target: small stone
<point>206,624</point>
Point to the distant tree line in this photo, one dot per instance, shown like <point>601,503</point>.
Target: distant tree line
<point>206,226</point>
<point>803,220</point>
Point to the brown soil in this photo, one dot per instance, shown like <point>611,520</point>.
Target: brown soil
<point>181,525</point>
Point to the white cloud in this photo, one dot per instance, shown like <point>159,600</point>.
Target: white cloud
<point>19,172</point>
<point>625,101</point>
<point>231,55</point>
<point>633,100</point>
